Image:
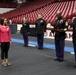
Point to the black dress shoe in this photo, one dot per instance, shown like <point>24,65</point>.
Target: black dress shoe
<point>56,59</point>
<point>75,66</point>
<point>25,45</point>
<point>40,48</point>
<point>60,60</point>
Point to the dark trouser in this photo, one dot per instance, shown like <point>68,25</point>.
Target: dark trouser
<point>40,39</point>
<point>59,46</point>
<point>4,50</point>
<point>74,45</point>
<point>25,37</point>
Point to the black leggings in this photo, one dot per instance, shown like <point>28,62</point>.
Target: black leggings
<point>4,49</point>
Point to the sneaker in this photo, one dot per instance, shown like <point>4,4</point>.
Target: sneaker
<point>4,64</point>
<point>8,64</point>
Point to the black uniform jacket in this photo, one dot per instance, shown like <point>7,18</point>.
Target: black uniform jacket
<point>40,26</point>
<point>25,27</point>
<point>59,26</point>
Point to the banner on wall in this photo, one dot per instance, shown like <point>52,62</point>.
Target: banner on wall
<point>50,35</point>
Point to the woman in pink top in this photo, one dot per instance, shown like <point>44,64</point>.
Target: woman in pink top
<point>5,40</point>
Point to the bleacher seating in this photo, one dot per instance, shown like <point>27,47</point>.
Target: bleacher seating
<point>26,8</point>
<point>8,5</point>
<point>45,7</point>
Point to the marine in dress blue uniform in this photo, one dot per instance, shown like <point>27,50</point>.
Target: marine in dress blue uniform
<point>60,26</point>
<point>40,29</point>
<point>25,31</point>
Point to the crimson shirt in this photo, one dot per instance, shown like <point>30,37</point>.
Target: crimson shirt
<point>5,34</point>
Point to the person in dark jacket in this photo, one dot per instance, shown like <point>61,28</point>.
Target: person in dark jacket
<point>60,26</point>
<point>40,29</point>
<point>25,31</point>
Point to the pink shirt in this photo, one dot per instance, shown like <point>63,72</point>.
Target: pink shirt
<point>5,34</point>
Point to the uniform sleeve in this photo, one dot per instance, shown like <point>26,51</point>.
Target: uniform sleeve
<point>35,25</point>
<point>21,30</point>
<point>70,25</point>
<point>28,27</point>
<point>53,24</point>
<point>45,26</point>
<point>65,28</point>
<point>73,23</point>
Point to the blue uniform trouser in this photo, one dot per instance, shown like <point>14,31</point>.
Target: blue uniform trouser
<point>40,39</point>
<point>59,46</point>
<point>74,45</point>
<point>25,37</point>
